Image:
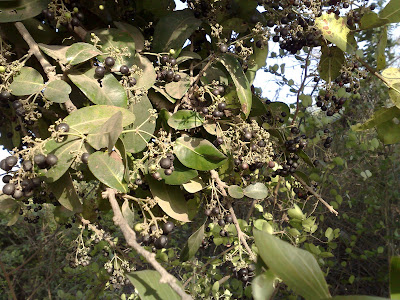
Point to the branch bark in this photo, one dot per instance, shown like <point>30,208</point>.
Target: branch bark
<point>130,237</point>
<point>7,277</point>
<point>47,67</point>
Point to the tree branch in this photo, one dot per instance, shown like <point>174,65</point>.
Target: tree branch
<point>47,67</point>
<point>309,189</point>
<point>7,277</point>
<point>241,235</point>
<point>130,237</point>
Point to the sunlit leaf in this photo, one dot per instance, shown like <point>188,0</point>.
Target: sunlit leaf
<point>57,91</point>
<point>106,135</point>
<point>380,50</point>
<point>235,191</point>
<point>185,119</point>
<point>12,11</point>
<point>180,175</point>
<point>134,33</point>
<point>80,52</point>
<point>65,193</point>
<point>331,62</point>
<point>263,286</point>
<point>256,190</point>
<point>27,82</point>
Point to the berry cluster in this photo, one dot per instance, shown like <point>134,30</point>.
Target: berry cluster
<point>167,73</point>
<point>244,274</point>
<point>150,238</point>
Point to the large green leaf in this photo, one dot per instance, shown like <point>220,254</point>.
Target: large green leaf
<point>170,199</point>
<point>65,153</point>
<point>66,194</point>
<point>89,118</point>
<point>156,7</point>
<point>57,91</point>
<point>148,73</point>
<point>106,135</point>
<point>371,20</point>
<point>256,190</point>
<point>391,11</point>
<point>13,11</point>
<point>262,286</point>
<point>112,39</point>
<point>235,191</point>
<point>185,119</point>
<point>380,50</point>
<point>107,92</point>
<point>178,89</point>
<point>134,33</point>
<point>239,79</point>
<point>198,154</point>
<point>193,244</point>
<point>331,62</point>
<point>108,170</point>
<point>392,76</point>
<point>148,285</point>
<point>256,61</point>
<point>80,52</point>
<point>298,268</point>
<point>137,141</point>
<point>7,204</point>
<point>180,175</point>
<point>174,29</point>
<point>381,116</point>
<point>395,278</point>
<point>187,55</point>
<point>389,132</point>
<point>335,30</point>
<point>27,82</point>
<point>57,52</point>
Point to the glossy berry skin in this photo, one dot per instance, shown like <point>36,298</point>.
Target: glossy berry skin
<point>4,166</point>
<point>51,159</point>
<point>165,163</point>
<point>39,159</point>
<point>27,165</point>
<point>168,172</point>
<point>168,227</point>
<point>85,158</point>
<point>161,242</point>
<point>11,161</point>
<point>109,62</point>
<point>223,48</point>
<point>63,127</point>
<point>7,178</point>
<point>99,72</point>
<point>177,77</point>
<point>8,189</point>
<point>221,106</point>
<point>228,219</point>
<point>124,70</point>
<point>5,96</point>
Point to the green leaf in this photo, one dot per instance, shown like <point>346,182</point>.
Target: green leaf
<point>256,61</point>
<point>256,190</point>
<point>178,89</point>
<point>187,55</point>
<point>332,60</point>
<point>306,100</point>
<point>263,285</point>
<point>174,29</point>
<point>185,119</point>
<point>395,278</point>
<point>371,20</point>
<point>263,225</point>
<point>148,285</point>
<point>215,72</point>
<point>239,79</point>
<point>107,134</point>
<point>14,216</point>
<point>134,33</point>
<point>198,154</point>
<point>335,30</point>
<point>57,91</point>
<point>128,213</point>
<point>112,39</point>
<point>80,52</point>
<point>56,52</point>
<point>277,108</point>
<point>298,268</point>
<point>148,73</point>
<point>356,297</point>
<point>258,107</point>
<point>194,185</point>
<point>235,191</point>
<point>162,92</point>
<point>389,132</point>
<point>108,170</point>
<point>13,11</point>
<point>170,199</point>
<point>392,76</point>
<point>380,50</point>
<point>391,11</point>
<point>137,141</point>
<point>65,193</point>
<point>7,204</point>
<point>65,153</point>
<point>192,245</point>
<point>180,175</point>
<point>381,116</point>
<point>27,82</point>
<point>109,92</point>
<point>89,118</point>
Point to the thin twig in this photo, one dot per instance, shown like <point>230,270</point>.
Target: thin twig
<point>7,277</point>
<point>301,88</point>
<point>250,212</point>
<point>130,237</point>
<point>47,67</point>
<point>309,189</point>
<point>241,235</point>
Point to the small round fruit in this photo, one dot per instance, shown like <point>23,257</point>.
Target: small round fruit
<point>109,62</point>
<point>172,51</point>
<point>207,212</point>
<point>36,181</point>
<point>177,77</point>
<point>247,136</point>
<point>5,96</point>
<point>244,166</point>
<point>169,75</point>
<point>27,165</point>
<point>161,242</point>
<point>18,194</point>
<point>221,222</point>
<point>63,127</point>
<point>17,104</point>
<point>215,211</point>
<point>51,159</point>
<point>164,59</point>
<point>228,219</point>
<point>156,176</point>
<point>4,166</point>
<point>138,227</point>
<point>243,272</point>
<point>39,159</point>
<point>2,69</point>
<point>168,227</point>
<point>165,163</point>
<point>271,164</point>
<point>7,178</point>
<point>85,158</point>
<point>11,161</point>
<point>124,70</point>
<point>9,189</point>
<point>168,172</point>
<point>99,72</point>
<point>223,48</point>
<point>244,278</point>
<point>132,81</point>
<point>221,106</point>
<point>172,61</point>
